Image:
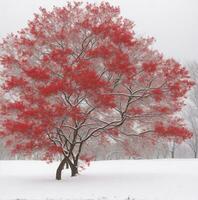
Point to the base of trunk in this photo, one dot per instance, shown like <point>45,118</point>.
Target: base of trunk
<point>74,170</point>
<point>60,168</point>
<point>66,165</point>
<point>66,162</point>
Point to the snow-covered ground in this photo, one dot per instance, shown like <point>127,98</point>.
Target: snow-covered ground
<point>103,180</point>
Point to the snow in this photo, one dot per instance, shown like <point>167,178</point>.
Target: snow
<point>103,180</point>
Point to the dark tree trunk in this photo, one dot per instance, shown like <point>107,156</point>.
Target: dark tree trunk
<point>195,154</point>
<point>74,170</point>
<point>73,166</point>
<point>172,154</point>
<point>66,165</point>
<point>60,168</point>
<point>173,149</point>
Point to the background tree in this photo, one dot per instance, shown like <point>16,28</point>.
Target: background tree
<point>161,149</point>
<point>78,73</point>
<point>190,112</point>
<point>172,148</point>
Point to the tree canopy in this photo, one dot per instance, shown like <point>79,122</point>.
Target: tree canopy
<point>80,72</point>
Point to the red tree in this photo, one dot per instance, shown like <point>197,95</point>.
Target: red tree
<point>79,72</point>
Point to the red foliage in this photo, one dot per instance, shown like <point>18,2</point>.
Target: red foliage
<point>2,134</point>
<point>59,55</point>
<point>113,132</point>
<point>7,60</point>
<point>172,130</point>
<point>157,94</point>
<point>162,109</point>
<point>119,63</point>
<point>101,51</point>
<point>38,73</point>
<point>80,72</point>
<point>15,106</point>
<point>136,111</point>
<point>52,88</point>
<point>115,33</point>
<point>149,67</point>
<point>105,100</point>
<point>13,82</point>
<point>87,159</point>
<point>87,79</point>
<point>16,126</point>
<point>75,113</point>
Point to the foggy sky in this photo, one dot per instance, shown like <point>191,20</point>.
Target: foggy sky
<point>173,23</point>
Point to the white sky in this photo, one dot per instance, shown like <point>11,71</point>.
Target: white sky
<point>174,23</point>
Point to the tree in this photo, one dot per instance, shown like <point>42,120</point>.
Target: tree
<point>78,73</point>
<point>172,148</point>
<point>190,112</point>
<point>161,149</point>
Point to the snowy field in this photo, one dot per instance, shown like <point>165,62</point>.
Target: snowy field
<point>103,180</point>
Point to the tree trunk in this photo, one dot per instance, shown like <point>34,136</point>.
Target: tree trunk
<point>195,154</point>
<point>74,170</point>
<point>173,148</point>
<point>60,168</point>
<point>67,165</point>
<point>73,166</point>
<point>172,154</point>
